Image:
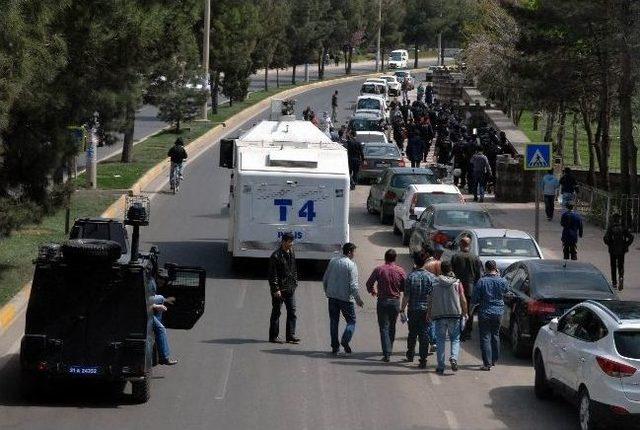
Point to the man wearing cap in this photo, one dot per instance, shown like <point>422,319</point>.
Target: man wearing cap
<point>283,280</point>
<point>488,296</point>
<point>468,269</point>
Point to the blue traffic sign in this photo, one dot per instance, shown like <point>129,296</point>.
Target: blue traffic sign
<point>537,156</point>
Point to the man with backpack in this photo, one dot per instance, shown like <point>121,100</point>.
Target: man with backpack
<point>618,238</point>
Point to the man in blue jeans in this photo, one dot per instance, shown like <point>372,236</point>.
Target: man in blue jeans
<point>448,306</point>
<point>488,296</point>
<point>340,282</point>
<point>389,279</point>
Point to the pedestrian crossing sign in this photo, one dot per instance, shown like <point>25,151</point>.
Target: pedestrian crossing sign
<point>537,156</point>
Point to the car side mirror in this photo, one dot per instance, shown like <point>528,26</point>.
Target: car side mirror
<point>413,217</point>
<point>553,324</point>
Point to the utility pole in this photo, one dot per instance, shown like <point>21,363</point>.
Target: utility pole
<point>205,53</point>
<point>440,53</point>
<point>378,58</point>
<point>92,155</point>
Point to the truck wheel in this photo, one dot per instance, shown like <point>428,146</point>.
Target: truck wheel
<point>141,390</point>
<point>91,250</point>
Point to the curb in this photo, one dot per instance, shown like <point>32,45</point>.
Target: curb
<point>10,311</point>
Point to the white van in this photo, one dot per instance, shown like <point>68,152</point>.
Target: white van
<point>288,176</point>
<point>398,59</point>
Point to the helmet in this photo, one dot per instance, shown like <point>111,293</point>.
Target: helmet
<point>179,141</point>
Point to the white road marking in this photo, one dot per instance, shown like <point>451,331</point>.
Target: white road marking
<point>241,295</point>
<point>227,371</point>
<point>435,379</point>
<point>451,420</point>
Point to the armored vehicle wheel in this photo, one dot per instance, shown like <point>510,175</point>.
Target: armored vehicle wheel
<point>91,250</point>
<point>141,390</point>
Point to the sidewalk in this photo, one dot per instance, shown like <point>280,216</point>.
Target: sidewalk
<point>591,249</point>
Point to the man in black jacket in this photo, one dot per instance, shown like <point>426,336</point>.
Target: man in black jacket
<point>283,280</point>
<point>617,238</point>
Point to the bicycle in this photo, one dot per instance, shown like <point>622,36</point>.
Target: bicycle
<point>175,176</point>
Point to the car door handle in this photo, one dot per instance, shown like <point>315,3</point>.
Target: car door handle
<point>564,348</point>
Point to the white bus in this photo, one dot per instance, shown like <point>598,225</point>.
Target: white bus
<point>287,176</point>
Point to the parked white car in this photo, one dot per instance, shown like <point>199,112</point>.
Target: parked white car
<point>372,106</point>
<point>591,355</point>
<point>393,84</point>
<point>374,88</point>
<point>415,199</point>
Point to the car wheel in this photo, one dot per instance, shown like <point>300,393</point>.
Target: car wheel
<point>384,218</point>
<point>517,346</point>
<point>396,230</point>
<point>370,207</point>
<point>406,236</point>
<point>542,388</point>
<point>141,389</point>
<point>585,411</point>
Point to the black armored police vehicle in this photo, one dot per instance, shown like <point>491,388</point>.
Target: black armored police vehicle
<point>90,313</point>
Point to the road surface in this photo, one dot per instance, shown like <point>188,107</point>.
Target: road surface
<point>230,377</point>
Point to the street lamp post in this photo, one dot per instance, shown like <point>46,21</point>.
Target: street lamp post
<point>205,53</point>
<point>378,58</point>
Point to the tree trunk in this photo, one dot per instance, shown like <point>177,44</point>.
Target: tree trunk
<point>415,53</point>
<point>551,122</point>
<point>214,76</point>
<point>323,53</point>
<point>266,78</point>
<point>127,144</point>
<point>293,75</point>
<point>350,60</point>
<point>277,77</point>
<point>536,120</point>
<point>574,144</point>
<point>382,60</point>
<point>561,133</point>
<point>586,120</point>
<point>628,155</point>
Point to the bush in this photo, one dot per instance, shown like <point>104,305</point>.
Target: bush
<point>16,213</point>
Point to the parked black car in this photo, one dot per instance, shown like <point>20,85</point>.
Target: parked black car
<point>540,290</point>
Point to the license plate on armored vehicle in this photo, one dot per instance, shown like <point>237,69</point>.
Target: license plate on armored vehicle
<point>84,370</point>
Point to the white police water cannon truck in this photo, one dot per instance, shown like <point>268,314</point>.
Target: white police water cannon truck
<point>287,176</point>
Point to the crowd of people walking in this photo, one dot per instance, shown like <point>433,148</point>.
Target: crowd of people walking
<point>436,299</point>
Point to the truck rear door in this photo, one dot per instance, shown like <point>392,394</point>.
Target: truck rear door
<point>187,285</point>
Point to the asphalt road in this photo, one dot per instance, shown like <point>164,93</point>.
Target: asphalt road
<point>229,377</point>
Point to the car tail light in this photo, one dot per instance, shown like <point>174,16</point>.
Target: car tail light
<point>390,195</point>
<point>42,366</point>
<point>461,199</point>
<point>541,308</point>
<point>619,410</point>
<point>414,201</point>
<point>440,238</point>
<point>615,369</point>
<point>365,163</point>
<point>401,163</point>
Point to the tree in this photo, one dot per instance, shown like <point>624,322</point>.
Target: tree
<point>273,14</point>
<point>418,29</point>
<point>180,97</point>
<point>391,31</point>
<point>302,33</point>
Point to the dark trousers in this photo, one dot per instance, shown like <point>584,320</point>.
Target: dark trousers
<point>549,205</point>
<point>489,338</point>
<point>468,327</point>
<point>388,310</point>
<point>478,185</point>
<point>418,330</point>
<point>617,265</point>
<point>354,169</point>
<point>415,163</point>
<point>348,311</point>
<point>570,250</point>
<point>289,300</point>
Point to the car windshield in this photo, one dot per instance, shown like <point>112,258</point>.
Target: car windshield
<point>389,79</point>
<point>401,74</point>
<point>624,310</point>
<point>463,218</point>
<point>581,284</point>
<point>378,138</point>
<point>362,124</point>
<point>390,151</point>
<point>628,343</point>
<point>404,180</point>
<point>370,89</point>
<point>507,247</point>
<point>396,56</point>
<point>427,199</point>
<point>371,104</point>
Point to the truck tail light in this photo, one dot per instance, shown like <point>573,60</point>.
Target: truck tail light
<point>440,238</point>
<point>541,308</point>
<point>390,195</point>
<point>614,368</point>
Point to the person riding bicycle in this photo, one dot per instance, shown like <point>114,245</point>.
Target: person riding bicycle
<point>177,154</point>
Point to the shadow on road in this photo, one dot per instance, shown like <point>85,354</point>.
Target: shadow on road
<point>234,341</point>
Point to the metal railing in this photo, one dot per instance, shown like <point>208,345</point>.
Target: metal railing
<point>597,206</point>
